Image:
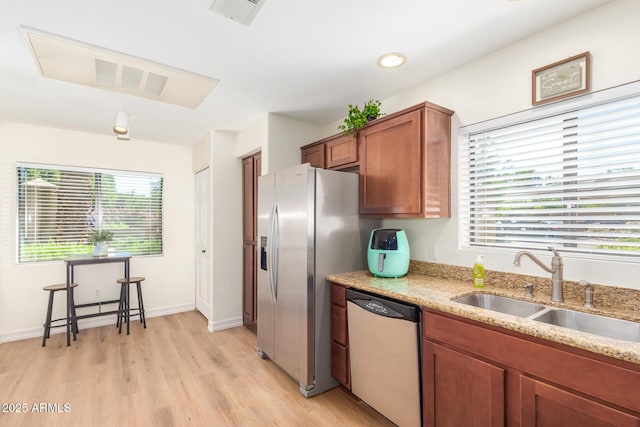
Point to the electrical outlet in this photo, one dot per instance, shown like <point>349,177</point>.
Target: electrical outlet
<point>97,296</point>
<point>432,253</point>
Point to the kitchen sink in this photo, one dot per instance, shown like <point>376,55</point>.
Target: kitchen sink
<point>501,304</point>
<point>591,323</point>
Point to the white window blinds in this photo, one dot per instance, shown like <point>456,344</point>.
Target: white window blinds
<point>571,181</point>
<point>59,207</point>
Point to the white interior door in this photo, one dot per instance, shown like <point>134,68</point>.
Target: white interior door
<point>204,286</point>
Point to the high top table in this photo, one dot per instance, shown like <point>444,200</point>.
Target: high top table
<point>84,260</point>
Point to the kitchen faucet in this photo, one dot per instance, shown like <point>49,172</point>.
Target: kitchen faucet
<point>555,270</point>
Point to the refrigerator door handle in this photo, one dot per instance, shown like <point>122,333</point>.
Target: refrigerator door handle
<point>275,255</point>
<point>270,249</point>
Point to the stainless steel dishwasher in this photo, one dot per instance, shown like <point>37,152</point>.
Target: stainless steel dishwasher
<point>384,347</point>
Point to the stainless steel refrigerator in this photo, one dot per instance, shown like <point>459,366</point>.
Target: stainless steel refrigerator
<point>308,227</point>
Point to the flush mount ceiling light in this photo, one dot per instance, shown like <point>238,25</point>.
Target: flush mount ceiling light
<point>72,61</point>
<point>392,60</point>
<point>121,125</point>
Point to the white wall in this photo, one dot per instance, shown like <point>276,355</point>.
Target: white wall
<point>500,84</point>
<point>170,283</point>
<point>286,136</point>
<point>254,138</point>
<point>226,194</point>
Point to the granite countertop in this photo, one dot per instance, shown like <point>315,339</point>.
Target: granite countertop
<point>436,292</point>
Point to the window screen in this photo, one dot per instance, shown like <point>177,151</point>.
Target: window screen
<point>571,181</point>
<point>58,207</point>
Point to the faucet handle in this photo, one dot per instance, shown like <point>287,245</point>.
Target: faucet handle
<point>588,300</point>
<point>529,290</point>
<point>555,252</point>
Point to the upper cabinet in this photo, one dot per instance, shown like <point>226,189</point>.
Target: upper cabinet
<point>404,160</point>
<point>342,151</point>
<point>405,164</point>
<point>314,155</point>
<point>336,152</point>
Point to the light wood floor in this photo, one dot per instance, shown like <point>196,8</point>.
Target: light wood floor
<point>174,373</point>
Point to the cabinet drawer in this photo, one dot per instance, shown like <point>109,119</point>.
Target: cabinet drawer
<point>339,324</point>
<point>340,364</point>
<point>339,295</point>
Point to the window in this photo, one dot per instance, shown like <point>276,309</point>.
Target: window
<point>59,206</point>
<point>571,180</point>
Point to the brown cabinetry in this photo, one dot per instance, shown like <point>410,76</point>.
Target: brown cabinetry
<point>339,336</point>
<point>251,169</point>
<point>336,152</point>
<point>342,151</point>
<point>404,161</point>
<point>314,155</point>
<point>491,376</point>
<point>546,405</point>
<point>462,390</point>
<point>405,164</point>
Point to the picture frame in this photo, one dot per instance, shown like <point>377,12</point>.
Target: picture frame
<point>562,79</point>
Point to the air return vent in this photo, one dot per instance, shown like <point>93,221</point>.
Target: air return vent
<point>71,61</point>
<point>242,11</point>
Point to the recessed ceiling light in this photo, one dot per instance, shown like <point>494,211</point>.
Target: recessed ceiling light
<point>392,60</point>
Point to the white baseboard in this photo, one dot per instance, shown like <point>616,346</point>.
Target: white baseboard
<point>219,325</point>
<point>93,322</point>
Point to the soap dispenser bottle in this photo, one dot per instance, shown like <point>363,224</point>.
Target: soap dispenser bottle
<point>478,273</point>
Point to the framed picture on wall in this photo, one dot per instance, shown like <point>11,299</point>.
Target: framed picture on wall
<point>562,79</point>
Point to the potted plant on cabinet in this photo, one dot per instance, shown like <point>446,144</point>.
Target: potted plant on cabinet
<point>99,239</point>
<point>357,118</point>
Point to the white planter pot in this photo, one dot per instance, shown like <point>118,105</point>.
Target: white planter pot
<point>101,249</point>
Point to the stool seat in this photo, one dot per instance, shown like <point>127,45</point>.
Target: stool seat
<point>50,323</point>
<point>124,309</point>
<point>130,280</point>
<point>59,287</point>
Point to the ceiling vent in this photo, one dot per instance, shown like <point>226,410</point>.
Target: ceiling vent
<point>242,11</point>
<point>71,61</point>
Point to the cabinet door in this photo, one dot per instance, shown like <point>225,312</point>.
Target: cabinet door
<point>248,199</point>
<point>339,336</point>
<point>342,151</point>
<point>339,324</point>
<point>248,285</point>
<point>460,390</point>
<point>391,167</point>
<point>546,405</point>
<point>251,169</point>
<point>314,155</point>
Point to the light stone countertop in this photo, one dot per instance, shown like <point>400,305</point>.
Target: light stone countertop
<point>436,293</point>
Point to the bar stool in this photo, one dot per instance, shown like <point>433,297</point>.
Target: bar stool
<point>124,309</point>
<point>48,323</point>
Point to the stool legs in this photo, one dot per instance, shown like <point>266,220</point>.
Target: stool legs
<point>143,319</point>
<point>47,320</point>
<point>73,312</point>
<point>124,308</point>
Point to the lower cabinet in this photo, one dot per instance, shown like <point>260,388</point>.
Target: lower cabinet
<point>461,390</point>
<point>477,375</point>
<point>546,405</point>
<point>339,336</point>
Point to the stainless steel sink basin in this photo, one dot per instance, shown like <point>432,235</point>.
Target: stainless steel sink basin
<point>501,304</point>
<point>591,323</point>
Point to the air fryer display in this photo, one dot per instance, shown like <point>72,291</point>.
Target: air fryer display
<point>385,239</point>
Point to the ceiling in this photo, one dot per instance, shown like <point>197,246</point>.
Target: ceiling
<point>303,59</point>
